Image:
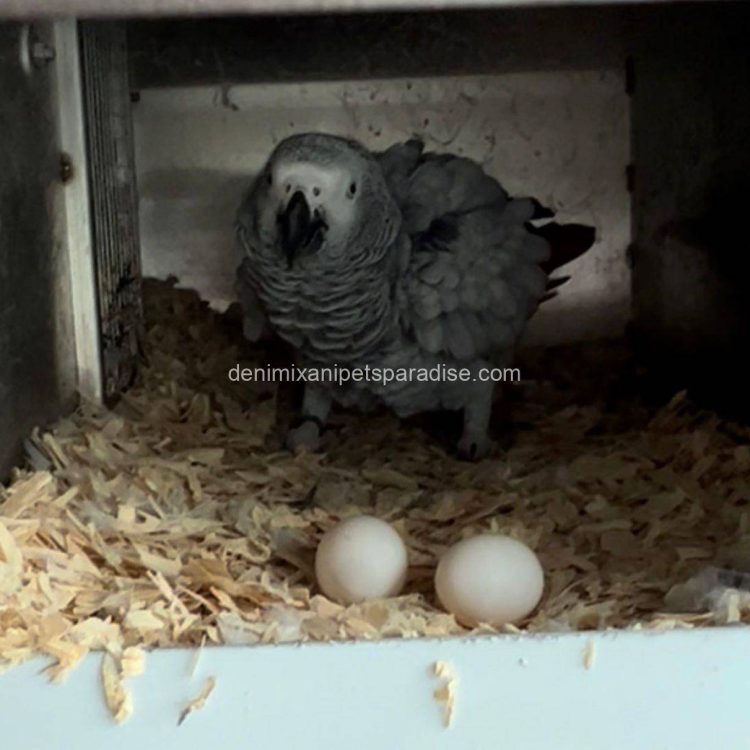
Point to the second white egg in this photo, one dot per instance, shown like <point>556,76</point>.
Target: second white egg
<point>490,579</point>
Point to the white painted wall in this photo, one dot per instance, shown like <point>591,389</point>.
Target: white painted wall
<point>560,136</point>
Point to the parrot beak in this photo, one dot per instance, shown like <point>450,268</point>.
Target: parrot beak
<point>299,229</point>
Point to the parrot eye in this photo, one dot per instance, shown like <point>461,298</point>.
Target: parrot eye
<point>350,193</point>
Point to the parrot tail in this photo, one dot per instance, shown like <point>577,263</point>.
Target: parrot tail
<point>567,242</point>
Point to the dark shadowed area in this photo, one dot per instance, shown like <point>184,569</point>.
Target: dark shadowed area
<point>37,366</point>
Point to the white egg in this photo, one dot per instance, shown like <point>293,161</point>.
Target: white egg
<point>490,579</point>
<point>361,558</point>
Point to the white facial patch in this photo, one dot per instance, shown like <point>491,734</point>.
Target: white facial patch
<point>324,187</point>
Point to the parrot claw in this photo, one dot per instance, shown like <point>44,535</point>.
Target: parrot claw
<point>473,447</point>
<point>306,436</point>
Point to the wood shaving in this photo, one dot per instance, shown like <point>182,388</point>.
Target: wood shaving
<point>133,662</point>
<point>199,702</point>
<point>178,519</point>
<point>197,656</point>
<point>117,696</point>
<point>445,695</point>
<point>589,655</point>
<point>11,562</point>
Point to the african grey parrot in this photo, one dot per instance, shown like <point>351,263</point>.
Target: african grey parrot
<point>399,259</point>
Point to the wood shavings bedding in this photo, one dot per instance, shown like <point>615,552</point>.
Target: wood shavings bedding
<point>177,519</point>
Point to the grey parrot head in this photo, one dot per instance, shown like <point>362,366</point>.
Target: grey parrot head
<point>323,198</point>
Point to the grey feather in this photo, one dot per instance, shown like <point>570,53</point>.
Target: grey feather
<point>458,339</point>
<point>426,301</point>
<point>429,334</point>
<point>449,299</point>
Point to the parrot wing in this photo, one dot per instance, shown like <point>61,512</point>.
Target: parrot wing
<point>477,269</point>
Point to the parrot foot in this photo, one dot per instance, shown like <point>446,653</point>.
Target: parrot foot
<point>306,436</point>
<point>475,441</point>
<point>472,447</point>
